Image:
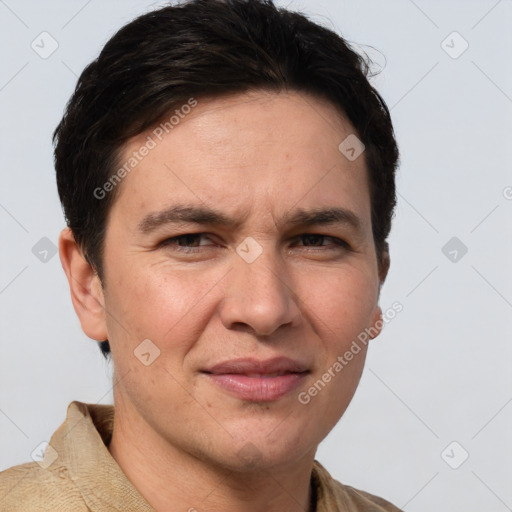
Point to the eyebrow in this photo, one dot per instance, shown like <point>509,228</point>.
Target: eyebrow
<point>207,216</point>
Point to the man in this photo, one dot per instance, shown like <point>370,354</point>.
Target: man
<point>227,176</point>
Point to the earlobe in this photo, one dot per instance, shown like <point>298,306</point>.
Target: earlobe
<point>85,287</point>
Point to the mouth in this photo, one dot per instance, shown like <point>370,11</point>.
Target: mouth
<point>258,388</point>
<point>258,381</point>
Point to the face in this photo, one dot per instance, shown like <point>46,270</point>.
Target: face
<point>216,250</point>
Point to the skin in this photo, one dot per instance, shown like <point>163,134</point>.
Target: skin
<point>256,157</point>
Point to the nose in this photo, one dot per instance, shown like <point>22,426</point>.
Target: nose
<point>259,296</point>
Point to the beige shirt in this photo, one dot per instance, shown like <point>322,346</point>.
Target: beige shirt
<point>78,474</point>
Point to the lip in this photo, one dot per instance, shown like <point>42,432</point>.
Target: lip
<point>255,380</point>
<point>262,367</point>
<point>258,389</point>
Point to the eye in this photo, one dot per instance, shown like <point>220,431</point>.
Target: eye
<point>315,240</point>
<point>189,242</point>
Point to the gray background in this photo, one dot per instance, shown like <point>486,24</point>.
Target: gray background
<point>441,370</point>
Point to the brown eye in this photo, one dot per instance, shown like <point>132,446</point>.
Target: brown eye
<point>188,242</point>
<point>316,240</point>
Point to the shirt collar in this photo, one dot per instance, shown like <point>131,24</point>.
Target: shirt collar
<point>81,444</point>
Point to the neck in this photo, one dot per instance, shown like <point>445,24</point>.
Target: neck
<point>170,476</point>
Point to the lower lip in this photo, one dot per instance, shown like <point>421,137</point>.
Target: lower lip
<point>258,389</point>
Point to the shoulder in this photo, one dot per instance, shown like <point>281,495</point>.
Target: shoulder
<point>358,500</point>
<point>335,496</point>
<point>32,488</point>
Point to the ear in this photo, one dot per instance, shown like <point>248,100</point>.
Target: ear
<point>377,321</point>
<point>85,287</point>
<point>384,264</point>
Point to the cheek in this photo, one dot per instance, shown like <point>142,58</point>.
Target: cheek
<point>151,303</point>
<point>168,306</point>
<point>341,309</point>
<point>343,301</point>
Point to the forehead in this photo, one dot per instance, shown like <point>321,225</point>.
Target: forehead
<point>253,151</point>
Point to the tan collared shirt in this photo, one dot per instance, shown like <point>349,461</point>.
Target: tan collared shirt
<point>78,474</point>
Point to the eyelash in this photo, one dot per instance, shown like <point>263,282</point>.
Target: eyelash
<point>170,242</point>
